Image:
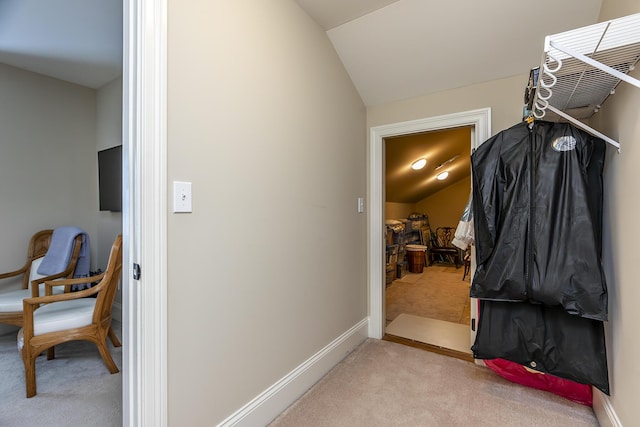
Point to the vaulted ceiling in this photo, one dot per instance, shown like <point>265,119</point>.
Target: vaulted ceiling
<point>392,49</point>
<point>444,150</point>
<point>395,50</point>
<point>79,41</point>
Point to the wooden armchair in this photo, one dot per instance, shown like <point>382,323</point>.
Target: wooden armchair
<point>11,300</point>
<point>442,249</point>
<point>55,319</point>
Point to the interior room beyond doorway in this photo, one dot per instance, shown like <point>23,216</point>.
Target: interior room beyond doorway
<point>429,305</point>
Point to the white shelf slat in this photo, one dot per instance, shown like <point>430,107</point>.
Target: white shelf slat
<point>581,68</point>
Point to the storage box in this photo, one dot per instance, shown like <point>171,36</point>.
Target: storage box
<point>398,238</point>
<point>402,253</point>
<point>391,273</point>
<point>389,236</point>
<point>401,269</point>
<point>392,254</point>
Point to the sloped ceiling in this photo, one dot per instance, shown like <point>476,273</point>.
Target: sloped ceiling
<point>445,150</point>
<point>408,48</point>
<point>392,50</point>
<point>395,50</point>
<point>79,41</point>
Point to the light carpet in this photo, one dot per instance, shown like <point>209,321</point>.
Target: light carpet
<point>386,384</point>
<point>74,389</point>
<point>437,293</point>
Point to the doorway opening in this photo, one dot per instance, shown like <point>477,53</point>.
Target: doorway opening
<point>426,290</point>
<point>478,122</point>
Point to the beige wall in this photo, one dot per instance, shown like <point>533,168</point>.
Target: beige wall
<point>271,265</point>
<point>48,165</point>
<point>398,210</point>
<point>443,208</point>
<point>446,206</point>
<point>620,119</point>
<point>504,97</point>
<point>108,134</point>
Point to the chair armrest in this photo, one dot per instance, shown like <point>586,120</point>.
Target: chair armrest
<point>13,273</point>
<point>34,302</point>
<point>54,280</point>
<point>49,284</point>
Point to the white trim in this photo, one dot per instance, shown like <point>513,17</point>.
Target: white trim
<point>603,408</point>
<point>274,400</point>
<point>144,193</point>
<point>479,119</point>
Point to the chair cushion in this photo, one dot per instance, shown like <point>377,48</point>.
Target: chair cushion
<point>33,273</point>
<point>63,315</point>
<point>11,301</point>
<point>60,316</point>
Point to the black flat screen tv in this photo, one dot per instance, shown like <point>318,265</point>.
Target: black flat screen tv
<point>110,179</point>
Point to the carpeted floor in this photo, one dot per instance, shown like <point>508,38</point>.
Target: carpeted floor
<point>387,384</point>
<point>74,389</point>
<point>437,293</point>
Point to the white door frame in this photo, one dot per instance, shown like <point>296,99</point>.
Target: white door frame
<point>144,388</point>
<point>480,120</point>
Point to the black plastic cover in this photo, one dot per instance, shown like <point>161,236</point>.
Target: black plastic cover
<point>544,339</point>
<point>537,206</point>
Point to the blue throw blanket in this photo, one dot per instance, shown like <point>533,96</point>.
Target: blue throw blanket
<point>61,249</point>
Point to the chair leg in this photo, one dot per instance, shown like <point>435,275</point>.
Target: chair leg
<point>114,338</point>
<point>106,357</point>
<point>467,267</point>
<point>30,375</point>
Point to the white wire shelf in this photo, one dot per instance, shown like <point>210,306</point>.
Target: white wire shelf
<point>581,68</point>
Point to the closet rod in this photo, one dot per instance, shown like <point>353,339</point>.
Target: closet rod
<point>585,127</point>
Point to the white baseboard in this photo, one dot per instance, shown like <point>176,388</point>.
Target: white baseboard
<point>274,400</point>
<point>605,413</point>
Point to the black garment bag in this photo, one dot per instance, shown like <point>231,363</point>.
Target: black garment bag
<point>545,339</point>
<point>537,204</point>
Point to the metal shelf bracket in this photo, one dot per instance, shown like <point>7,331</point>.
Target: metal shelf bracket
<point>581,68</point>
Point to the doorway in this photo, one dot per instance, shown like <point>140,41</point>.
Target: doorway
<point>427,293</point>
<point>479,122</point>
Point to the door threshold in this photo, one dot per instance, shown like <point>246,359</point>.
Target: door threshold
<point>429,347</point>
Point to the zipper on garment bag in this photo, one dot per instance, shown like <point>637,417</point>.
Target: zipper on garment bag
<point>531,222</point>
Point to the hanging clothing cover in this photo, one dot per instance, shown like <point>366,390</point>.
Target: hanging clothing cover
<point>463,236</point>
<point>537,206</point>
<point>545,339</point>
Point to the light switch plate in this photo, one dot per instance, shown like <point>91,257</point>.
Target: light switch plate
<point>181,197</point>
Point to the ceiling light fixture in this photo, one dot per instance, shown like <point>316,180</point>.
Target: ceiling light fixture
<point>447,162</point>
<point>442,176</point>
<point>418,164</point>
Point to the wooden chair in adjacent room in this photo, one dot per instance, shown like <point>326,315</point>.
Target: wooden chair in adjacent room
<point>11,300</point>
<point>55,319</point>
<point>466,262</point>
<point>442,249</point>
